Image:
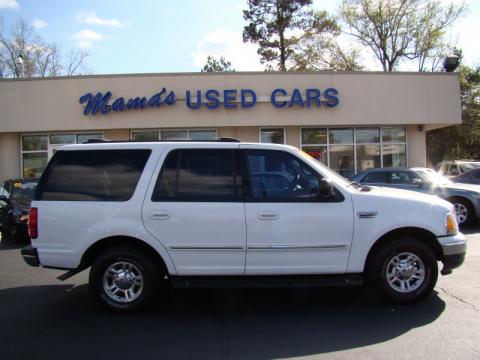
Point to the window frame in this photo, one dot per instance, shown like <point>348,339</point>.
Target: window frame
<point>38,195</point>
<point>159,132</point>
<point>284,129</point>
<point>328,144</point>
<point>238,172</point>
<point>247,176</point>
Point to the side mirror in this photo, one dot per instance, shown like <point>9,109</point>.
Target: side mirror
<point>418,182</point>
<point>325,190</point>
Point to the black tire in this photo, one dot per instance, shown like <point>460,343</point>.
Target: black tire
<point>140,263</point>
<point>384,261</point>
<point>464,209</point>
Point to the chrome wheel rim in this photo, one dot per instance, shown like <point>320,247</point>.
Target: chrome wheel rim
<point>405,272</point>
<point>123,282</point>
<point>461,211</point>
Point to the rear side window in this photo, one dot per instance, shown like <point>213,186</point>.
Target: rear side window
<point>375,178</point>
<point>199,175</point>
<point>92,175</point>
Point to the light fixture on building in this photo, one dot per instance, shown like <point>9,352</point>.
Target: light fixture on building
<point>20,66</point>
<point>451,62</point>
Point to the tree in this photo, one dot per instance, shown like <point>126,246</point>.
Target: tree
<point>278,26</point>
<point>217,65</point>
<point>396,30</point>
<point>325,53</point>
<point>39,58</point>
<point>461,141</point>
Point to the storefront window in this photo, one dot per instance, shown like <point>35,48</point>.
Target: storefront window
<point>35,143</point>
<point>62,139</point>
<point>317,152</point>
<point>393,134</point>
<point>203,134</point>
<point>340,136</point>
<point>83,138</point>
<point>394,155</point>
<point>367,135</point>
<point>314,136</point>
<point>145,136</point>
<point>368,157</point>
<point>342,160</point>
<point>353,150</point>
<point>272,136</point>
<point>33,164</point>
<point>174,135</point>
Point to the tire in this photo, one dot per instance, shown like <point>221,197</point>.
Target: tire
<point>124,280</point>
<point>404,270</point>
<point>464,210</point>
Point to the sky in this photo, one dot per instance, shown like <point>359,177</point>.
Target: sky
<point>149,36</point>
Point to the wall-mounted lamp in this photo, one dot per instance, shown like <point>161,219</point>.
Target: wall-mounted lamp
<point>451,62</point>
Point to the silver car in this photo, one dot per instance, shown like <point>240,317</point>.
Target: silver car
<point>465,197</point>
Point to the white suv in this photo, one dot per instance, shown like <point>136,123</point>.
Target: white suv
<point>231,214</point>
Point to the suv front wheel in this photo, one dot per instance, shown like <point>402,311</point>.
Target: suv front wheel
<point>124,279</point>
<point>404,270</point>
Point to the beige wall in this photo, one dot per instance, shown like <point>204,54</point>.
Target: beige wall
<point>117,134</point>
<point>9,156</point>
<point>365,99</point>
<point>416,146</point>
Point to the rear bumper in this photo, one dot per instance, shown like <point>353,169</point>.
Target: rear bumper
<point>30,256</point>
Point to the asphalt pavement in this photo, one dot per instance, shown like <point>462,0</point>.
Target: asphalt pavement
<point>44,318</point>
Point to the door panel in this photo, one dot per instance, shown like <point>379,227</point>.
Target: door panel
<point>303,238</point>
<point>197,213</point>
<point>290,229</point>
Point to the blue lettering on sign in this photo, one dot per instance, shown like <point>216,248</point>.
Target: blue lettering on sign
<point>275,102</point>
<point>211,99</point>
<point>99,103</point>
<point>331,97</point>
<point>244,101</point>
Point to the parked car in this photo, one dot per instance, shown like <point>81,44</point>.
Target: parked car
<point>15,198</point>
<point>456,167</point>
<point>470,177</point>
<point>465,198</point>
<point>231,214</point>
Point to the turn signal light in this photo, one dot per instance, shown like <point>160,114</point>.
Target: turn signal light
<point>451,224</point>
<point>33,223</point>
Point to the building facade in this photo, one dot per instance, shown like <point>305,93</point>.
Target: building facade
<point>350,121</point>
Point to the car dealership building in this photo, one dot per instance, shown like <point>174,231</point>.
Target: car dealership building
<point>350,121</point>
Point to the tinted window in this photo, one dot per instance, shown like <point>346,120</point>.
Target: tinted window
<point>93,175</point>
<point>280,176</point>
<point>199,175</point>
<point>402,177</point>
<point>375,178</point>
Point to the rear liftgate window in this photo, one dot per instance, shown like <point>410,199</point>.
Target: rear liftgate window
<point>93,175</point>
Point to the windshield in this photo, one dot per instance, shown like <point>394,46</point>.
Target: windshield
<point>332,175</point>
<point>464,167</point>
<point>433,177</point>
<point>23,190</point>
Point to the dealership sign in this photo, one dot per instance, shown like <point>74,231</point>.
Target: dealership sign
<point>104,103</point>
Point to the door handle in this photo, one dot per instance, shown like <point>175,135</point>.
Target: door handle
<point>159,215</point>
<point>268,215</point>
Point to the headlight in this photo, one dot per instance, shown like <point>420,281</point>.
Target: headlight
<point>451,223</point>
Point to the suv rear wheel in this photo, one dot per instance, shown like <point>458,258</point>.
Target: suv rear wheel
<point>124,279</point>
<point>404,270</point>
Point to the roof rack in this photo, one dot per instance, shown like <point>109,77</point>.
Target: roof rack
<point>103,141</point>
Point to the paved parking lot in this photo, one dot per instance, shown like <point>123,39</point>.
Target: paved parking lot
<point>42,317</point>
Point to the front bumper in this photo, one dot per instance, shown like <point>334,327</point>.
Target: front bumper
<point>30,255</point>
<point>454,249</point>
